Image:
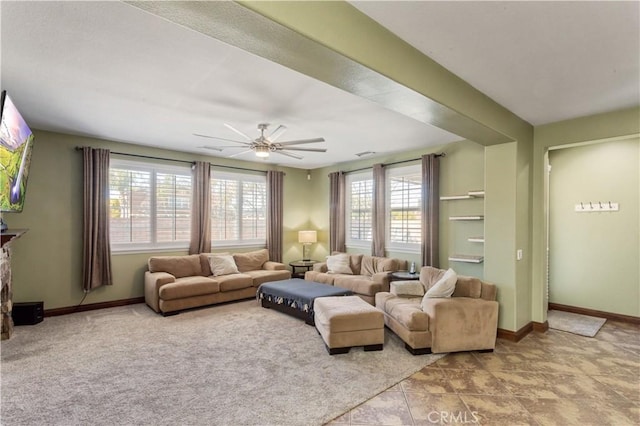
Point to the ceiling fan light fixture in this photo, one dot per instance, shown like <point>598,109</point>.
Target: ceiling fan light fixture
<point>262,151</point>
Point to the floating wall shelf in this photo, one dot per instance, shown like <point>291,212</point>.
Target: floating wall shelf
<point>466,258</point>
<point>471,217</point>
<point>476,239</point>
<point>469,195</point>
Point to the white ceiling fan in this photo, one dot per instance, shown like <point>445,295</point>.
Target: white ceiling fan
<point>264,145</point>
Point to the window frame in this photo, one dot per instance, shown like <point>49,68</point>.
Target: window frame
<point>396,246</point>
<point>239,177</point>
<point>350,179</point>
<point>154,169</point>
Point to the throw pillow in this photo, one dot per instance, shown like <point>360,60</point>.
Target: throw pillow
<point>445,286</point>
<point>407,288</point>
<point>222,265</point>
<point>339,264</point>
<point>251,260</point>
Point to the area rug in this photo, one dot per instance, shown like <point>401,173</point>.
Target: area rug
<point>233,364</point>
<point>583,325</point>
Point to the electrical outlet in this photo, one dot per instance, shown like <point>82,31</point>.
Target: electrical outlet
<point>519,254</point>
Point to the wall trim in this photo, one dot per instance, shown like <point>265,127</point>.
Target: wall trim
<point>91,306</point>
<point>594,313</point>
<point>515,336</point>
<point>540,327</point>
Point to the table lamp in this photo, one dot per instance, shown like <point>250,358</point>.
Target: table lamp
<point>306,238</point>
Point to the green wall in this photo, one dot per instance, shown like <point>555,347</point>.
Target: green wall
<point>46,261</point>
<point>596,128</point>
<point>462,155</point>
<point>595,257</point>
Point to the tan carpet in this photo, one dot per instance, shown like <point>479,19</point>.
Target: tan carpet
<point>235,364</point>
<point>583,325</point>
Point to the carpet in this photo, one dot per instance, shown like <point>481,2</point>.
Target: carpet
<point>583,325</point>
<point>232,364</point>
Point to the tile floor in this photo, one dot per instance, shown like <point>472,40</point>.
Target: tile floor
<point>552,378</point>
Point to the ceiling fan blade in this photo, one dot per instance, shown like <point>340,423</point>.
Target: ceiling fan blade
<point>300,142</point>
<point>307,149</point>
<point>240,153</point>
<point>288,154</point>
<point>212,148</point>
<point>233,129</point>
<point>222,139</point>
<point>277,133</point>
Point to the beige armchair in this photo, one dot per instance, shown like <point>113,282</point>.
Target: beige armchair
<point>466,321</point>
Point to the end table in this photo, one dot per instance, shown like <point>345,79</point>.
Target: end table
<point>306,265</point>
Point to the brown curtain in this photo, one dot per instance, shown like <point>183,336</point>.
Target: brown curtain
<point>430,209</point>
<point>337,212</point>
<point>274,214</point>
<point>378,211</point>
<point>96,249</point>
<point>201,208</point>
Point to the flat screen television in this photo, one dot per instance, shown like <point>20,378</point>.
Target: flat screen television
<point>16,144</point>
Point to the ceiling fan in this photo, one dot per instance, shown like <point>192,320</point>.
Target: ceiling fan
<point>264,145</point>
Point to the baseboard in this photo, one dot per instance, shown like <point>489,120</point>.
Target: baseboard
<point>515,336</point>
<point>595,313</point>
<point>540,327</point>
<point>91,306</point>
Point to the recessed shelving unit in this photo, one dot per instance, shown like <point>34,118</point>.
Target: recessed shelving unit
<point>466,258</point>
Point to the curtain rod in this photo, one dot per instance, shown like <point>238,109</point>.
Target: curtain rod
<point>392,164</point>
<point>78,148</point>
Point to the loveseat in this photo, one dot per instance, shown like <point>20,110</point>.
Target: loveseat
<point>363,275</point>
<point>467,320</point>
<point>175,283</point>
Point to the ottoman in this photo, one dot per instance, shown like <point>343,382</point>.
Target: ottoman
<point>348,321</point>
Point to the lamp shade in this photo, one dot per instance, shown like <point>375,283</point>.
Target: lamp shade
<point>307,237</point>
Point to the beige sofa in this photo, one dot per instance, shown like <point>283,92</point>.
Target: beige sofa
<point>175,283</point>
<point>369,275</point>
<point>466,321</point>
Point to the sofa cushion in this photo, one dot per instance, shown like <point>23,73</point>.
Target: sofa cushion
<point>407,288</point>
<point>320,277</point>
<point>407,311</point>
<point>188,287</point>
<point>430,275</point>
<point>222,265</point>
<point>178,266</point>
<point>339,264</point>
<point>358,284</point>
<point>252,260</point>
<point>234,282</point>
<point>468,287</point>
<point>372,264</point>
<point>445,286</point>
<point>263,276</point>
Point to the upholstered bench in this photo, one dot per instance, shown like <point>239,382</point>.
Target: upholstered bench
<point>348,321</point>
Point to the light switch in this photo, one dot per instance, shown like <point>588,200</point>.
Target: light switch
<point>519,254</point>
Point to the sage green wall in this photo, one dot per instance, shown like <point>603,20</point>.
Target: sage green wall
<point>595,257</point>
<point>461,156</point>
<point>599,127</point>
<point>46,261</point>
<point>500,225</point>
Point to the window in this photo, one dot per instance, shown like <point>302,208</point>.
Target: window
<point>359,201</point>
<point>150,205</point>
<point>404,212</point>
<point>238,209</point>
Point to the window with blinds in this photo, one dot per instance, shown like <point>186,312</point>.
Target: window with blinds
<point>359,200</point>
<point>150,206</point>
<point>238,209</point>
<point>404,214</point>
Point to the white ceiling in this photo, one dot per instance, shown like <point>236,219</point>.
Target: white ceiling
<point>112,71</point>
<point>545,61</point>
